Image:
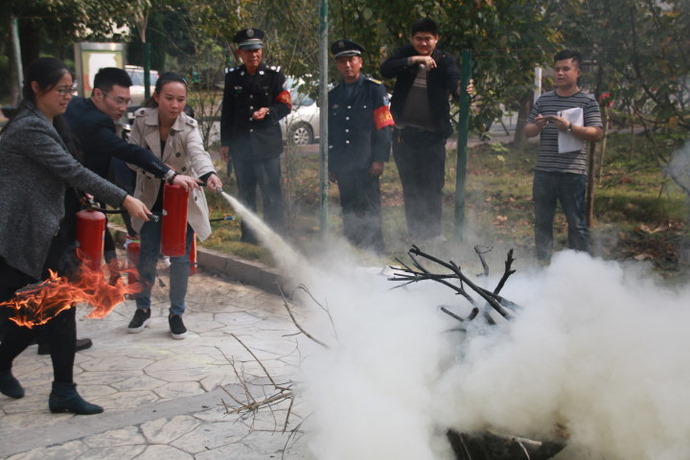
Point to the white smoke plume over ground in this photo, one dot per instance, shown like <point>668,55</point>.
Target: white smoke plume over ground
<point>599,348</point>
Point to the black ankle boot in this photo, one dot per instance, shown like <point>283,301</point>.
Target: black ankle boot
<point>9,386</point>
<point>64,398</point>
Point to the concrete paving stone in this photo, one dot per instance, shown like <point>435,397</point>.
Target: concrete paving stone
<point>138,382</point>
<point>179,390</point>
<point>237,319</point>
<point>165,431</point>
<point>217,413</point>
<point>158,452</point>
<point>104,365</point>
<point>210,436</point>
<point>118,437</point>
<point>217,380</point>
<point>82,377</point>
<point>69,450</point>
<point>182,374</point>
<point>162,397</point>
<point>127,399</point>
<point>112,453</point>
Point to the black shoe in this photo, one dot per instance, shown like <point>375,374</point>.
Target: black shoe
<point>64,398</point>
<point>82,344</point>
<point>141,319</point>
<point>177,329</point>
<point>9,386</point>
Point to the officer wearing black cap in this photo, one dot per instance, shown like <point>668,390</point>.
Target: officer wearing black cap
<point>254,101</point>
<point>359,138</point>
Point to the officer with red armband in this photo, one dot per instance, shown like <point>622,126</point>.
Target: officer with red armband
<point>254,101</point>
<point>359,142</point>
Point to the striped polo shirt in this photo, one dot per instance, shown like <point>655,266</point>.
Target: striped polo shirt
<point>550,104</point>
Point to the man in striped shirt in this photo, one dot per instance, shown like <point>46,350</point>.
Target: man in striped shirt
<point>565,119</point>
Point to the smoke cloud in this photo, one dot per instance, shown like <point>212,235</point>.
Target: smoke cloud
<point>598,347</point>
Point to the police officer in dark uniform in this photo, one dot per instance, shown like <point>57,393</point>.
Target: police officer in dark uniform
<point>254,101</point>
<point>359,140</point>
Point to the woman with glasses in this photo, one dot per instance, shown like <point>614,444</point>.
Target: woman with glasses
<point>173,136</point>
<point>38,162</point>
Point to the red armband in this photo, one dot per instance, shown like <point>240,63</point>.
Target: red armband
<point>284,98</point>
<point>383,117</point>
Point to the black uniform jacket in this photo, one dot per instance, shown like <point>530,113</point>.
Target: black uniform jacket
<point>244,94</point>
<point>96,138</point>
<point>359,127</point>
<point>441,83</point>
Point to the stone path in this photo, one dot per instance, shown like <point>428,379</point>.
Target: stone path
<point>164,398</point>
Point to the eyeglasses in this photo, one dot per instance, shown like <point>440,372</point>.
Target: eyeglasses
<point>118,100</point>
<point>66,90</point>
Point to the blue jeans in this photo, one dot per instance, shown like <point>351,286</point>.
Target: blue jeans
<point>550,188</point>
<point>150,235</point>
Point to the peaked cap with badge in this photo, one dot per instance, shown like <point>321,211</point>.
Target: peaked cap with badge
<point>249,39</point>
<point>342,48</point>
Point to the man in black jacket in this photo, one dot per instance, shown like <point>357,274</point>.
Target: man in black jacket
<point>426,78</point>
<point>93,120</point>
<point>254,101</point>
<point>359,142</point>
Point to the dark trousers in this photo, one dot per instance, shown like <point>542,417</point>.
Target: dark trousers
<point>549,189</point>
<point>421,160</point>
<point>360,200</point>
<point>60,331</point>
<point>266,175</point>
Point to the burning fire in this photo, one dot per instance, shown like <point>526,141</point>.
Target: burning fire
<point>102,289</point>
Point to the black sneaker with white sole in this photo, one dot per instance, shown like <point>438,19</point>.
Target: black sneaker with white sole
<point>140,320</point>
<point>177,329</point>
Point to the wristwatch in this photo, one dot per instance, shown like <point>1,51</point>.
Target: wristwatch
<point>169,176</point>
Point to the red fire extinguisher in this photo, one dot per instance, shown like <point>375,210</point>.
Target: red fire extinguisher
<point>174,225</point>
<point>91,237</point>
<point>133,251</point>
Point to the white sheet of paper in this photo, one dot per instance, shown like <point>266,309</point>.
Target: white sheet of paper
<point>567,142</point>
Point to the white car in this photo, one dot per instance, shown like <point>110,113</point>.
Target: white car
<point>136,73</point>
<point>301,125</point>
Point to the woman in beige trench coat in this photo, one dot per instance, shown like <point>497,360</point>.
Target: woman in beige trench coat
<point>174,137</point>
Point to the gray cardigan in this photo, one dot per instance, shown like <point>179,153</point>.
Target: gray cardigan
<point>35,169</point>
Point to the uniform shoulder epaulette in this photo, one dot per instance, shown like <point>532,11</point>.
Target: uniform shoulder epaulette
<point>191,121</point>
<point>231,69</point>
<point>275,68</point>
<point>140,112</point>
<point>373,80</point>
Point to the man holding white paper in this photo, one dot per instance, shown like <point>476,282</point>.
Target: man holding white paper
<point>565,119</point>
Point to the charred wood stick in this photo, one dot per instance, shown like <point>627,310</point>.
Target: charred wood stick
<point>258,361</point>
<point>482,292</point>
<point>424,274</point>
<point>480,251</point>
<point>452,315</point>
<point>506,273</point>
<point>297,325</point>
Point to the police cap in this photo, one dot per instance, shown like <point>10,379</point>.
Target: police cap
<point>249,39</point>
<point>342,48</point>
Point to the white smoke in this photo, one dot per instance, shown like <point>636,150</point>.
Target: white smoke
<point>598,348</point>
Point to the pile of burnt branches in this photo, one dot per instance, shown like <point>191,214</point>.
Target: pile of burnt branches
<point>487,302</point>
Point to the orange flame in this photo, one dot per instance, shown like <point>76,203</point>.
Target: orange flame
<point>38,303</point>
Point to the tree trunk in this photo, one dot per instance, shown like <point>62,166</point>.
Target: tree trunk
<point>523,111</point>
